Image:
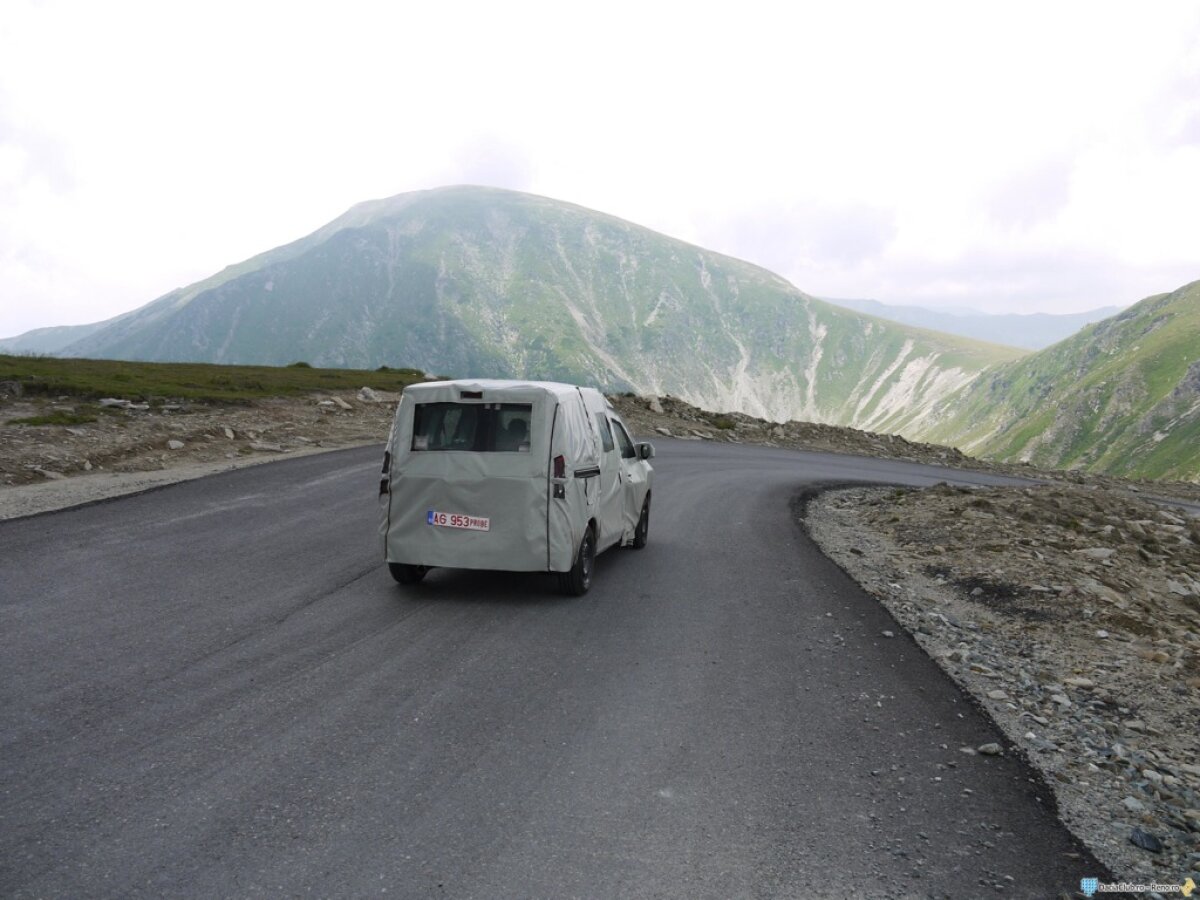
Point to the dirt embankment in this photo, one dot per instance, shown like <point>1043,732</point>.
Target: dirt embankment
<point>136,446</point>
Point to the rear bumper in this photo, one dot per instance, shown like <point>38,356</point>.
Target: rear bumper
<point>515,510</point>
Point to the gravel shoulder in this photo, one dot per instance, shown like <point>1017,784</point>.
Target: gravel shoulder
<point>1072,615</point>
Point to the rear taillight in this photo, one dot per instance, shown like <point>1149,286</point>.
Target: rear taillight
<point>387,465</point>
<point>560,467</point>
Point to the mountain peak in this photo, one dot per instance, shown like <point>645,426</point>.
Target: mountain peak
<point>478,281</point>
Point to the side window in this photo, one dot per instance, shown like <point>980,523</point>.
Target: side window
<point>626,445</point>
<point>606,437</point>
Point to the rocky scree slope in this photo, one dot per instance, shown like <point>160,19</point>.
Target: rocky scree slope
<point>485,282</point>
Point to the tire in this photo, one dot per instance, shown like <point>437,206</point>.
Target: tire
<point>641,533</point>
<point>579,579</point>
<point>406,574</point>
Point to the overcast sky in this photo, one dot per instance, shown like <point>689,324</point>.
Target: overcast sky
<point>1007,156</point>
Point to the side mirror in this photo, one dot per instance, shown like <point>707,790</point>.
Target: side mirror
<point>645,450</point>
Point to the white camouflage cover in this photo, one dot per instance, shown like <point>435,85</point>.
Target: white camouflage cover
<point>527,529</point>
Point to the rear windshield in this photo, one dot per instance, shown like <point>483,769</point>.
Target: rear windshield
<point>477,427</point>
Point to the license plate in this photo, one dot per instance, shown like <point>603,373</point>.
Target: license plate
<point>457,520</point>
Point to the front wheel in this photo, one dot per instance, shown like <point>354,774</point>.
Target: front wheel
<point>641,534</point>
<point>579,579</point>
<point>406,574</point>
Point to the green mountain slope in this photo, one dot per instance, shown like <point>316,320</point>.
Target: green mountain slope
<point>1122,396</point>
<point>478,281</point>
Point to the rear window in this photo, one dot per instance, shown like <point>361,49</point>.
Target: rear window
<point>476,427</point>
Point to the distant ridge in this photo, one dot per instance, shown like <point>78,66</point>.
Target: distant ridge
<point>50,340</point>
<point>1030,331</point>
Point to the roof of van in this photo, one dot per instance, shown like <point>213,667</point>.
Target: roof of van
<point>501,385</point>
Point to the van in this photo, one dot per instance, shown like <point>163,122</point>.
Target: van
<point>520,476</point>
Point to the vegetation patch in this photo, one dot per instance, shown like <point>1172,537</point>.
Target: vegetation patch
<point>58,417</point>
<point>97,378</point>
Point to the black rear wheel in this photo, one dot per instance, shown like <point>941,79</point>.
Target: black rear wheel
<point>579,579</point>
<point>641,534</point>
<point>406,574</point>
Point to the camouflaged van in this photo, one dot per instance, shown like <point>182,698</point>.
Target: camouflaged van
<point>523,476</point>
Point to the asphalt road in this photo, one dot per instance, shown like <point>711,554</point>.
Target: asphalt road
<point>215,689</point>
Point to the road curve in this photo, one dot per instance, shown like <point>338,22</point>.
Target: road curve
<point>215,689</point>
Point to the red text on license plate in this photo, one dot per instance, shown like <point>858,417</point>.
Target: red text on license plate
<point>458,520</point>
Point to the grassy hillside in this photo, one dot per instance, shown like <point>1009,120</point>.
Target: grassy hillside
<point>1122,396</point>
<point>96,378</point>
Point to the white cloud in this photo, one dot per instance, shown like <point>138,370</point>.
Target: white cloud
<point>861,149</point>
